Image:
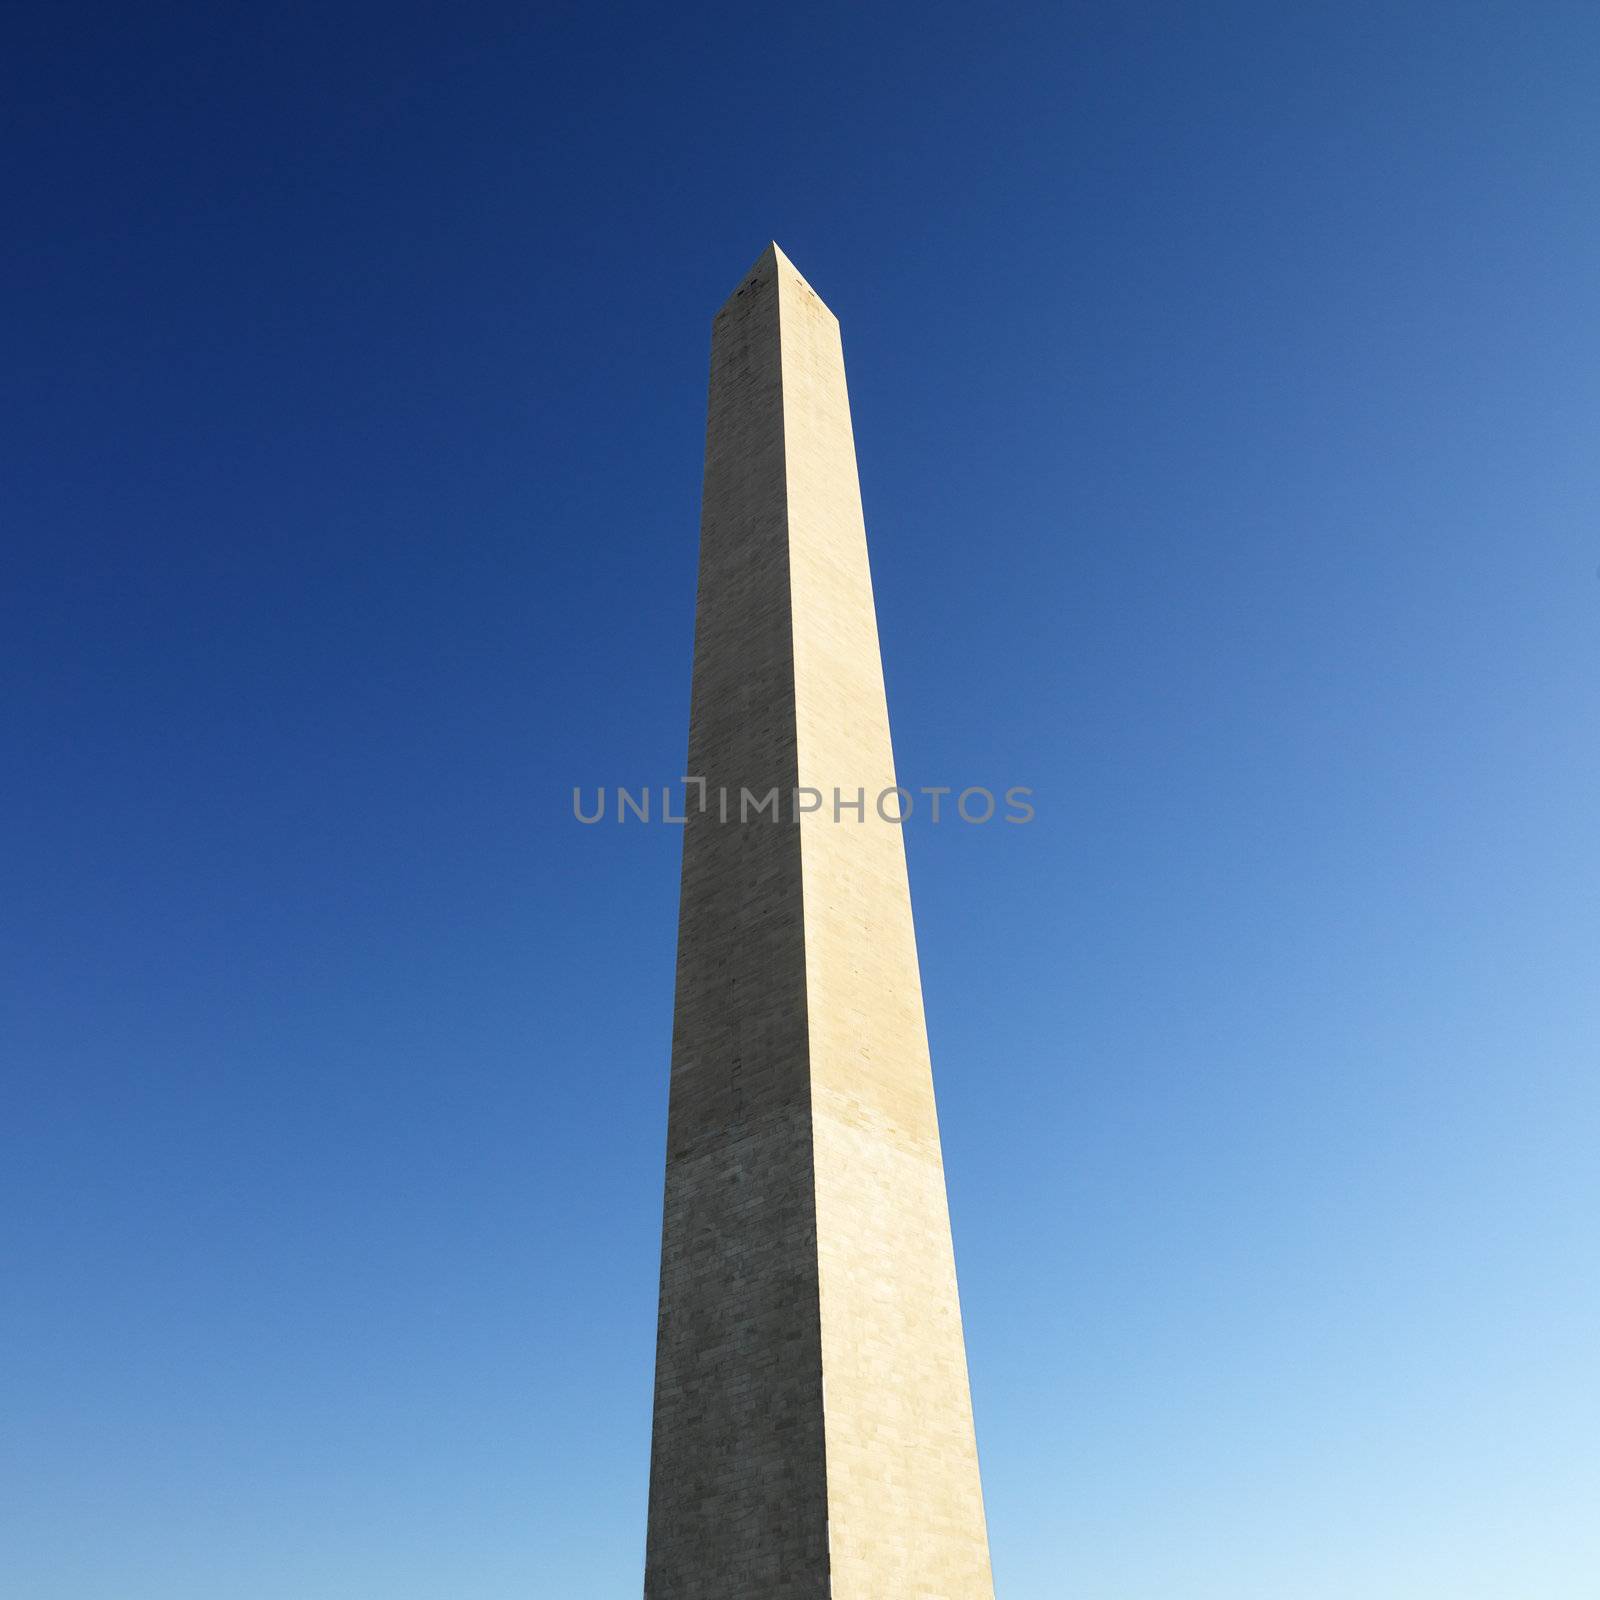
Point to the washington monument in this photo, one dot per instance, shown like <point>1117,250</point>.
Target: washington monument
<point>813,1426</point>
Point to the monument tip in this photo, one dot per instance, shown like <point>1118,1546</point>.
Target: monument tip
<point>770,265</point>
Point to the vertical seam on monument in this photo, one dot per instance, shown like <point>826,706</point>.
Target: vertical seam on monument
<point>800,879</point>
<point>785,349</point>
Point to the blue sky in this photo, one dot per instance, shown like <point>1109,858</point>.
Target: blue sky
<point>1225,383</point>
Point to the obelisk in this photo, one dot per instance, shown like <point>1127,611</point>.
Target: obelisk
<point>813,1426</point>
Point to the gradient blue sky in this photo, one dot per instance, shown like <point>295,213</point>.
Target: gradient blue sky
<point>1225,384</point>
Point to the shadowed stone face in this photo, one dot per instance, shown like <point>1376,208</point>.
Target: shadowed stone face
<point>813,1431</point>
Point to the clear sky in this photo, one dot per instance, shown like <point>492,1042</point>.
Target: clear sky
<point>1225,384</point>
